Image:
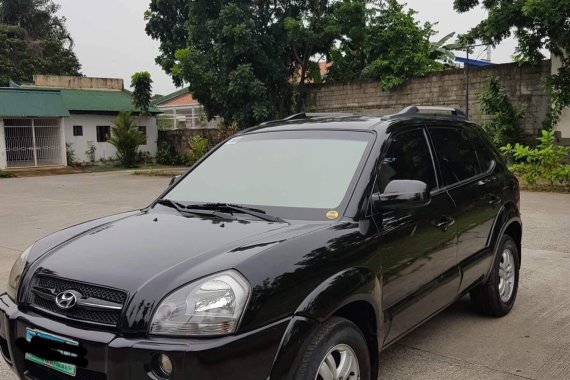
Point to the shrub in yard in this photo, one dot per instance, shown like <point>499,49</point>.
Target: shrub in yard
<point>70,153</point>
<point>167,155</point>
<point>4,174</point>
<point>198,148</point>
<point>505,124</point>
<point>126,138</point>
<point>544,164</point>
<point>90,152</point>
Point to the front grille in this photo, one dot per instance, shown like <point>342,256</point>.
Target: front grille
<point>105,317</point>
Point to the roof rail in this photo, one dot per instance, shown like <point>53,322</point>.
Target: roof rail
<point>306,115</point>
<point>428,110</point>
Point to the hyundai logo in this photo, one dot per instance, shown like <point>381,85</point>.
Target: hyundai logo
<point>66,300</point>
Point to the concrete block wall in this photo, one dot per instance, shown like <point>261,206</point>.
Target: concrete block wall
<point>523,85</point>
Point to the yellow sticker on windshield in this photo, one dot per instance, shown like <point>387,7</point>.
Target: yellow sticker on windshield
<point>332,215</point>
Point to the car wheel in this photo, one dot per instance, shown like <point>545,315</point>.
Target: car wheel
<point>497,296</point>
<point>338,351</point>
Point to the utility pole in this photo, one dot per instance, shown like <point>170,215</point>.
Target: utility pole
<point>467,84</point>
<point>466,69</point>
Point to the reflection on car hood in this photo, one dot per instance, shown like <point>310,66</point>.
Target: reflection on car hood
<point>129,252</point>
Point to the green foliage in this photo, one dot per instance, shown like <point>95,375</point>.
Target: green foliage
<point>70,153</point>
<point>233,55</point>
<point>505,125</point>
<point>198,148</point>
<point>390,47</point>
<point>442,51</point>
<point>90,152</point>
<point>545,163</point>
<point>167,155</point>
<point>246,61</point>
<point>126,138</point>
<point>537,24</point>
<point>558,86</point>
<point>5,174</point>
<point>142,91</point>
<point>34,40</point>
<point>167,22</point>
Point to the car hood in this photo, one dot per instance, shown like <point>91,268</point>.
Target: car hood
<point>135,250</point>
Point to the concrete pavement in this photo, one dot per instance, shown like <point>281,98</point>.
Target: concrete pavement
<point>533,342</point>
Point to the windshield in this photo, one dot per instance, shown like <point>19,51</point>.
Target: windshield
<point>308,169</point>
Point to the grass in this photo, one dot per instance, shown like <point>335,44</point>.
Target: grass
<point>161,172</point>
<point>4,174</point>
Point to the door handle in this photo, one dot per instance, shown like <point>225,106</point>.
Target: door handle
<point>494,200</point>
<point>444,223</point>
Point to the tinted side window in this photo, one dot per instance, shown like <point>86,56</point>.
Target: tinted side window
<point>456,154</point>
<point>408,157</point>
<point>485,155</point>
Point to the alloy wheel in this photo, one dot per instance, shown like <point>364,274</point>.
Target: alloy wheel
<point>340,363</point>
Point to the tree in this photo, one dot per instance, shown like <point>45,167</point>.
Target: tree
<point>234,59</point>
<point>537,24</point>
<point>505,124</point>
<point>442,51</point>
<point>142,91</point>
<point>393,48</point>
<point>243,60</point>
<point>167,22</point>
<point>34,40</point>
<point>126,138</point>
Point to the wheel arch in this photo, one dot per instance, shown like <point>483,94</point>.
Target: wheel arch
<point>508,221</point>
<point>353,294</point>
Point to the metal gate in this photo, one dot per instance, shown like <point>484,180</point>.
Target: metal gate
<point>33,142</point>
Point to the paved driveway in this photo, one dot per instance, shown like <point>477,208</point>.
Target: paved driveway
<point>533,342</point>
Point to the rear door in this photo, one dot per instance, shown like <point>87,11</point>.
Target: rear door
<point>418,250</point>
<point>468,172</point>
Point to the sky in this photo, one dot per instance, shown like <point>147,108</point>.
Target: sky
<point>110,40</point>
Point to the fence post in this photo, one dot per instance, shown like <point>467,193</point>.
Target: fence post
<point>62,142</point>
<point>34,143</point>
<point>3,155</point>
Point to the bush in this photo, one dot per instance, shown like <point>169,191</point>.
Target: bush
<point>167,155</point>
<point>4,174</point>
<point>198,148</point>
<point>70,153</point>
<point>90,152</point>
<point>505,125</point>
<point>544,164</point>
<point>126,139</point>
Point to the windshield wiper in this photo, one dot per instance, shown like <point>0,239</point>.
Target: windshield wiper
<point>183,209</point>
<point>260,214</point>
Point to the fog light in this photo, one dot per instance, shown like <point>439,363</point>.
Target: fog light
<point>162,366</point>
<point>165,364</point>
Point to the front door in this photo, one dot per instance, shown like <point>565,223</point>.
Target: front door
<point>419,245</point>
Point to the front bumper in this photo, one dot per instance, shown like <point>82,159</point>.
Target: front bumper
<point>250,355</point>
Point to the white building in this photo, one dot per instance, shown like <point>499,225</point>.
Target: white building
<point>38,120</point>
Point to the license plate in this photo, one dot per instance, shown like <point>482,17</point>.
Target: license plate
<point>68,369</point>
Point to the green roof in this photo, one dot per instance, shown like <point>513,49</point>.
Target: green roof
<point>99,101</point>
<point>16,102</point>
<point>175,94</point>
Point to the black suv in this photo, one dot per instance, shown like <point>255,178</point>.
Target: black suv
<point>298,249</point>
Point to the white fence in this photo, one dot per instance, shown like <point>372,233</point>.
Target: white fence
<point>33,142</point>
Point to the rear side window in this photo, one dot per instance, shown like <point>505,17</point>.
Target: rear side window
<point>456,154</point>
<point>485,155</point>
<point>408,157</point>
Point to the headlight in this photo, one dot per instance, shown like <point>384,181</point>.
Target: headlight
<point>210,306</point>
<point>16,274</point>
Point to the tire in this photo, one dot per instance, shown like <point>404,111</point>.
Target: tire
<point>497,296</point>
<point>334,336</point>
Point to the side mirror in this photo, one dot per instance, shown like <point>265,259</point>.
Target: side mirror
<point>403,194</point>
<point>174,179</point>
